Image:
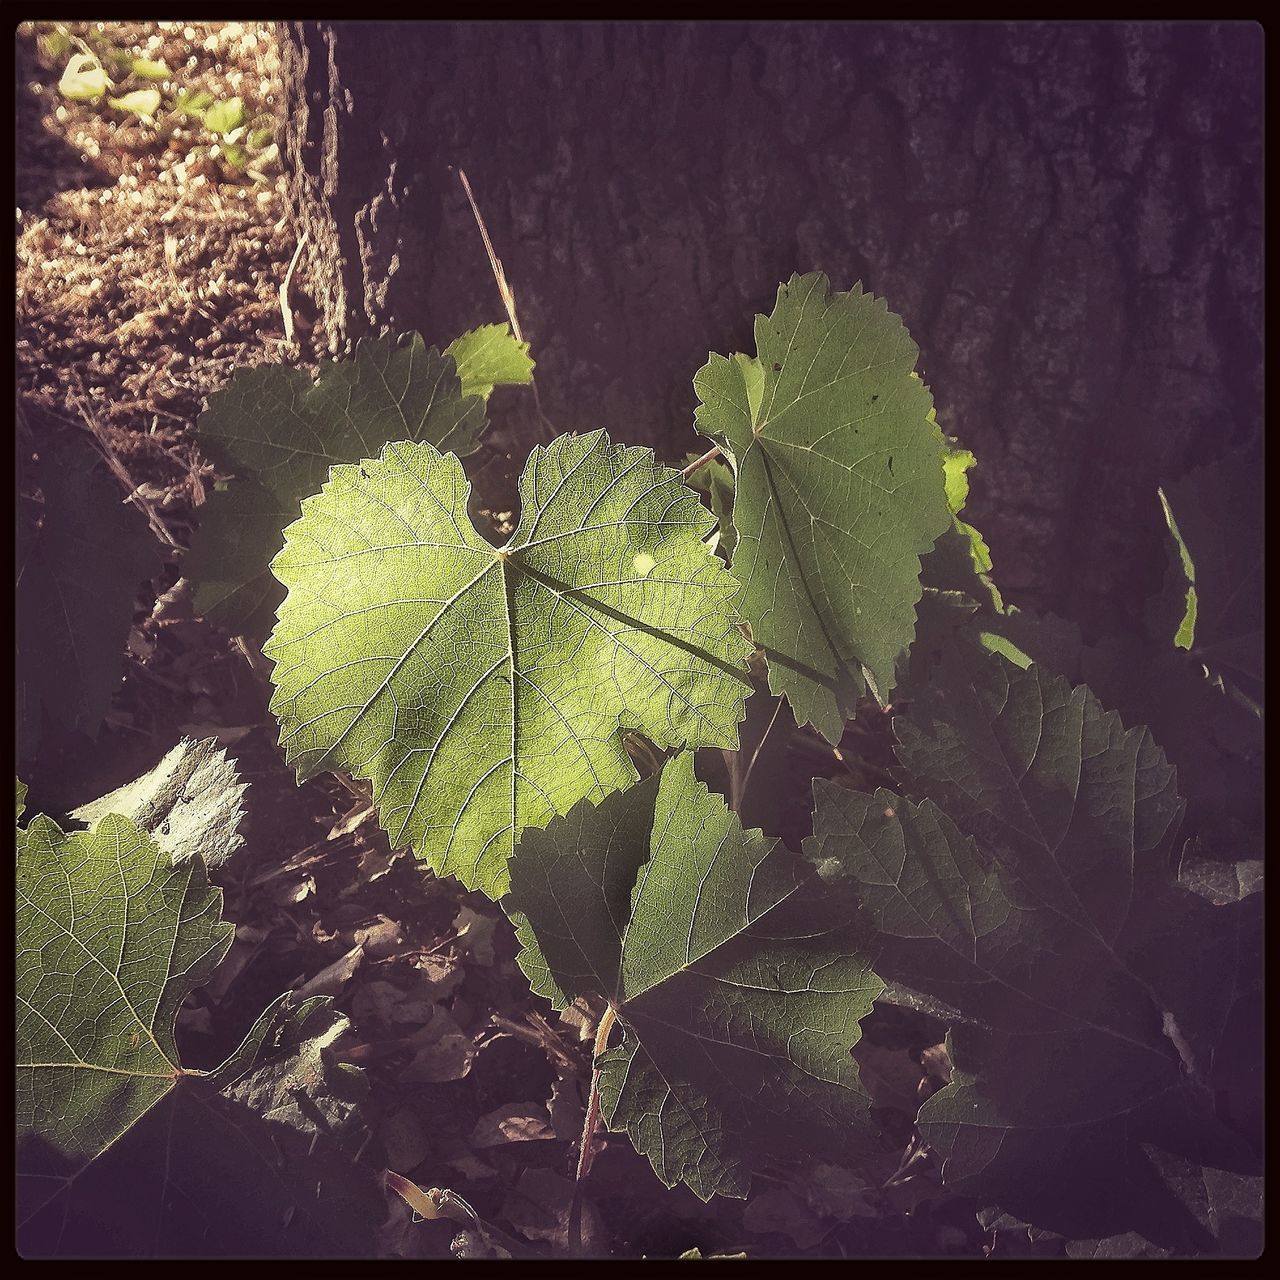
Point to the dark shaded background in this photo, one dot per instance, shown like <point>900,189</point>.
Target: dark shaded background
<point>1067,216</point>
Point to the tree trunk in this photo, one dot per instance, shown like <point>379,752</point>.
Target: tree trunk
<point>1067,217</point>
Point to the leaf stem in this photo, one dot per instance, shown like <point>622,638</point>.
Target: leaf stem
<point>585,1150</point>
<point>698,463</point>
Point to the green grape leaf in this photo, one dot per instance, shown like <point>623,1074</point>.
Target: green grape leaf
<point>1213,605</point>
<point>279,432</point>
<point>716,481</point>
<point>490,356</point>
<point>943,619</point>
<point>241,527</point>
<point>121,1150</point>
<point>1213,740</point>
<point>731,968</point>
<point>960,559</point>
<point>111,938</point>
<point>840,491</point>
<point>1027,886</point>
<point>483,690</point>
<point>192,803</point>
<point>80,563</point>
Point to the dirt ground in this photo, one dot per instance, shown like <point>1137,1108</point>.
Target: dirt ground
<point>148,268</point>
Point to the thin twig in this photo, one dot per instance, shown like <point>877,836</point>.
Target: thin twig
<point>286,312</point>
<point>118,470</point>
<point>698,463</point>
<point>495,263</point>
<point>505,291</point>
<point>585,1151</point>
<point>739,788</point>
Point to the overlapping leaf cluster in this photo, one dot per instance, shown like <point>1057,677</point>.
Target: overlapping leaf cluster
<point>1027,892</point>
<point>1025,880</point>
<point>734,970</point>
<point>279,431</point>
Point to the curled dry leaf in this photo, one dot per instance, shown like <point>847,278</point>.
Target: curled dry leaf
<point>445,1052</point>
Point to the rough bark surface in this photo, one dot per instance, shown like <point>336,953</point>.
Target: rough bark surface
<point>1068,218</point>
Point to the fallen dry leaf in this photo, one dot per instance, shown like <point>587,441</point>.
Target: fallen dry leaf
<point>333,977</point>
<point>446,1053</point>
<point>512,1122</point>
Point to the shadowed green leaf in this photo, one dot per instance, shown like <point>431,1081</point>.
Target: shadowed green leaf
<point>730,964</point>
<point>840,491</point>
<point>1028,888</point>
<point>280,432</point>
<point>1213,740</point>
<point>715,479</point>
<point>484,690</point>
<point>1227,1206</point>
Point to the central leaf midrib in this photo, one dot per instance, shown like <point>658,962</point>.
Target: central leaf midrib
<point>781,517</point>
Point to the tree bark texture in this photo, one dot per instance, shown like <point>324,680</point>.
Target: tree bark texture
<point>1067,216</point>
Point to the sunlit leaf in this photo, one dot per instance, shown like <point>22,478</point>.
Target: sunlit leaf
<point>490,356</point>
<point>84,79</point>
<point>484,690</point>
<point>840,491</point>
<point>191,803</point>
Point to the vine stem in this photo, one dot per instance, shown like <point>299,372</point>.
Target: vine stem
<point>698,463</point>
<point>607,1020</point>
